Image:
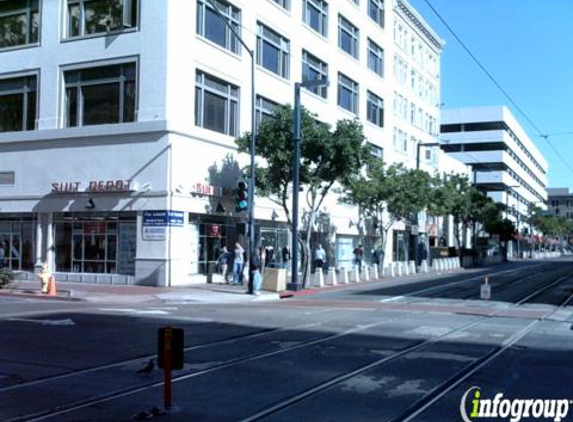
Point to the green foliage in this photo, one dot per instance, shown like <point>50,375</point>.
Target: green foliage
<point>6,278</point>
<point>502,227</point>
<point>551,225</point>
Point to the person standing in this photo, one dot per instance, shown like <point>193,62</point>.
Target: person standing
<point>2,254</point>
<point>319,257</point>
<point>238,263</point>
<point>255,272</point>
<point>359,256</point>
<point>223,263</point>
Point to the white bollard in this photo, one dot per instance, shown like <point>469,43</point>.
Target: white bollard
<point>399,266</point>
<point>344,272</point>
<point>318,278</point>
<point>391,268</point>
<point>412,267</point>
<point>425,266</point>
<point>355,275</point>
<point>440,264</point>
<point>375,272</point>
<point>365,273</point>
<point>331,279</point>
<point>406,268</point>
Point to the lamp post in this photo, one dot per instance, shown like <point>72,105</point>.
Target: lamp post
<point>511,188</point>
<point>251,190</point>
<point>416,237</point>
<point>294,284</point>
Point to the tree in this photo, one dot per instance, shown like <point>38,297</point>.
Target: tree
<point>327,157</point>
<point>387,195</point>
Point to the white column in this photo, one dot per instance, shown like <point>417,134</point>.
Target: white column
<point>39,238</point>
<point>50,247</point>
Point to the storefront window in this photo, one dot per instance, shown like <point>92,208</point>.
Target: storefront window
<point>17,244</point>
<point>91,246</point>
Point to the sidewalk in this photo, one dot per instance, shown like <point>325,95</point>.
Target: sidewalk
<point>98,293</point>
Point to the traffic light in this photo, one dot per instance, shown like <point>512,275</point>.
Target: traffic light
<point>241,203</point>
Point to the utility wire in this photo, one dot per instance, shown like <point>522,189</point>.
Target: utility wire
<point>502,90</point>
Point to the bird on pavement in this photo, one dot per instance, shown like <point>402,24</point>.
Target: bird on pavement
<point>148,368</point>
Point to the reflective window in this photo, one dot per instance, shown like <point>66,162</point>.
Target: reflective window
<point>19,22</point>
<point>375,58</point>
<point>314,69</point>
<point>211,26</point>
<point>100,95</point>
<point>18,98</point>
<point>285,4</point>
<point>265,109</point>
<point>376,11</point>
<point>86,17</point>
<point>216,104</point>
<point>375,109</point>
<point>347,93</point>
<point>347,37</point>
<point>315,15</point>
<point>273,51</point>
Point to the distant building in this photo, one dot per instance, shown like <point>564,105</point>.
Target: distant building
<point>505,162</point>
<point>560,202</point>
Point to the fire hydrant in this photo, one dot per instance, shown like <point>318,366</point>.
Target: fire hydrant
<point>46,278</point>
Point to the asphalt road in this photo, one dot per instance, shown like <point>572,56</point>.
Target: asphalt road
<point>401,351</point>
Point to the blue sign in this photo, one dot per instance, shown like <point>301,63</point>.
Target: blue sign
<point>163,218</point>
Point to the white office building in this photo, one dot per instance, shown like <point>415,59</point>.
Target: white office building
<point>504,160</point>
<point>118,120</point>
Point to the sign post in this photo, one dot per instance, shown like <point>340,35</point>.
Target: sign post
<point>170,351</point>
<point>485,291</point>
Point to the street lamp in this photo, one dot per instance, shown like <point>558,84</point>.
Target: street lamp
<point>251,195</point>
<point>416,236</point>
<point>511,188</point>
<point>294,284</point>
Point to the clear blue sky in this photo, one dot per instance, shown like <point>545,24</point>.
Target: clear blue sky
<point>527,45</point>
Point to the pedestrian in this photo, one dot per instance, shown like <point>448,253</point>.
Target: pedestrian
<point>286,254</point>
<point>223,263</point>
<point>238,263</point>
<point>359,256</point>
<point>255,273</point>
<point>319,257</point>
<point>46,277</point>
<point>2,254</point>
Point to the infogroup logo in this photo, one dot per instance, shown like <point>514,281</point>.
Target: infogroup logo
<point>513,410</point>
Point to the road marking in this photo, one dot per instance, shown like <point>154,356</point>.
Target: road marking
<point>392,299</point>
<point>136,311</point>
<point>45,321</point>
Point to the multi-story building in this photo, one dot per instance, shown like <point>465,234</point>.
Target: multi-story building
<point>505,161</point>
<point>118,120</point>
<point>560,202</point>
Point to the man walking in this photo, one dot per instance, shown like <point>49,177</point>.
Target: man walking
<point>319,257</point>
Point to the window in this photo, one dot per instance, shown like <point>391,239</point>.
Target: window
<point>210,25</point>
<point>375,109</point>
<point>314,69</point>
<point>347,37</point>
<point>273,51</point>
<point>285,4</point>
<point>19,22</point>
<point>315,15</point>
<point>216,104</point>
<point>375,58</point>
<point>376,11</point>
<point>86,17</point>
<point>347,94</point>
<point>100,95</point>
<point>18,98</point>
<point>265,109</point>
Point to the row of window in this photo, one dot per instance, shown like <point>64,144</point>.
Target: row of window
<point>273,49</point>
<point>20,19</point>
<point>557,202</point>
<point>484,126</point>
<point>108,94</point>
<point>409,112</point>
<point>414,48</point>
<point>424,89</point>
<point>406,144</point>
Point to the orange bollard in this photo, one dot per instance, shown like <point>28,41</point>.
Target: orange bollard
<point>52,287</point>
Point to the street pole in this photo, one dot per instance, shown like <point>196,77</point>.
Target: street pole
<point>252,146</point>
<point>295,285</point>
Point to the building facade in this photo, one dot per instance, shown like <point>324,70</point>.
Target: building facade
<point>118,119</point>
<point>560,202</point>
<point>505,162</point>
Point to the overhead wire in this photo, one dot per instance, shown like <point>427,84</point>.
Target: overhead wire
<point>542,134</point>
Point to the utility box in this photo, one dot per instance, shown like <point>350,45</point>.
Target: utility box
<point>274,279</point>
